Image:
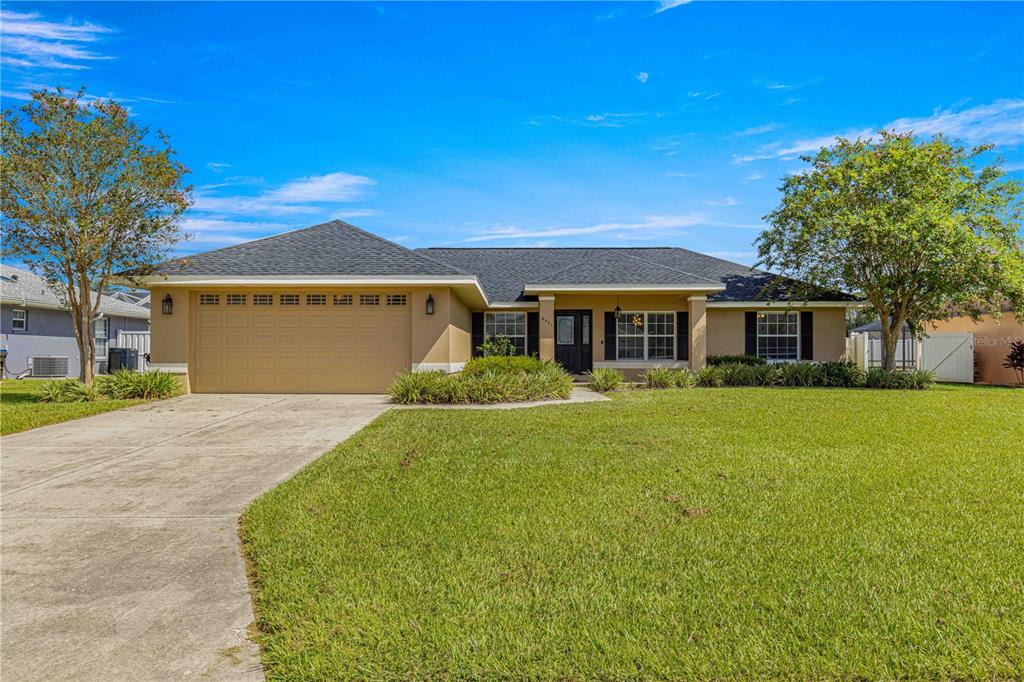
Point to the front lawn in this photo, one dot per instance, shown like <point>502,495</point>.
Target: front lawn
<point>21,410</point>
<point>679,534</point>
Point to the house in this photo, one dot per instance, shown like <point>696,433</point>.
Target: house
<point>906,345</point>
<point>992,340</point>
<point>38,333</point>
<point>332,308</point>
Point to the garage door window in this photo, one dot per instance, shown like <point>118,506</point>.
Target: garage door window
<point>236,299</point>
<point>209,299</point>
<point>316,299</point>
<point>263,299</point>
<point>369,299</point>
<point>343,299</point>
<point>396,299</point>
<point>289,299</point>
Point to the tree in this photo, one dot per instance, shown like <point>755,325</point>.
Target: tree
<point>911,225</point>
<point>1015,360</point>
<point>85,196</point>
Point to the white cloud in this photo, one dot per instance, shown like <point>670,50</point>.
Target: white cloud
<point>30,41</point>
<point>682,174</point>
<point>643,76</point>
<point>1001,122</point>
<point>654,222</point>
<point>758,130</point>
<point>742,256</point>
<point>612,119</point>
<point>665,5</point>
<point>218,167</point>
<point>1012,167</point>
<point>728,201</point>
<point>329,188</point>
<point>754,176</point>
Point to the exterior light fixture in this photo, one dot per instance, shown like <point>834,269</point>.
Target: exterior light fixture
<point>430,304</point>
<point>168,305</point>
<point>618,310</point>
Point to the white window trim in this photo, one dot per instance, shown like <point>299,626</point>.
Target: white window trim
<point>23,319</point>
<point>674,336</point>
<point>525,336</point>
<point>96,338</point>
<point>799,348</point>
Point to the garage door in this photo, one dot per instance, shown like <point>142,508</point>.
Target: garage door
<point>299,342</point>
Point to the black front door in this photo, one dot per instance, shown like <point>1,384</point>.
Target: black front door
<point>572,340</point>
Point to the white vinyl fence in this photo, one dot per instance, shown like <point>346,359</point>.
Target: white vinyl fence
<point>950,356</point>
<point>136,340</point>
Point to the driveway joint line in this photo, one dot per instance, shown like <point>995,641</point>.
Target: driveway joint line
<point>137,450</point>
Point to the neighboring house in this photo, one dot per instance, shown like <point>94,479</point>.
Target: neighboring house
<point>992,340</point>
<point>906,345</point>
<point>132,296</point>
<point>332,308</point>
<point>38,333</point>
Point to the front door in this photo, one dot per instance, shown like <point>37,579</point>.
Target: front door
<point>572,340</point>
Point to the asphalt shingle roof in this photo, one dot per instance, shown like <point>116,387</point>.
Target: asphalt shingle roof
<point>337,248</point>
<point>24,288</point>
<point>332,248</point>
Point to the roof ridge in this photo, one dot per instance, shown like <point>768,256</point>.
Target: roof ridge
<point>576,263</point>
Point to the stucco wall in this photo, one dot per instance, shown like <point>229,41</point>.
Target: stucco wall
<point>992,339</point>
<point>727,331</point>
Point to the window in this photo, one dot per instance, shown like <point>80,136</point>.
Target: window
<point>263,299</point>
<point>343,299</point>
<point>396,299</point>
<point>565,330</point>
<point>369,299</point>
<point>645,336</point>
<point>100,337</point>
<point>236,299</point>
<point>511,325</point>
<point>778,338</point>
<point>19,320</point>
<point>209,299</point>
<point>289,299</point>
<point>316,299</point>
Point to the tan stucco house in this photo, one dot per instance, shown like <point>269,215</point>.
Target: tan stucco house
<point>332,308</point>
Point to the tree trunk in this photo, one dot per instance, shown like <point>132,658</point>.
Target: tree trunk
<point>888,348</point>
<point>86,345</point>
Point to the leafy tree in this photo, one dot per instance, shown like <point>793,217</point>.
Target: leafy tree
<point>911,225</point>
<point>85,195</point>
<point>1015,360</point>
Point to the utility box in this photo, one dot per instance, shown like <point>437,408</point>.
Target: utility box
<point>122,358</point>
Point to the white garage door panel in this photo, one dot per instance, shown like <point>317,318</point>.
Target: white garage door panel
<point>299,349</point>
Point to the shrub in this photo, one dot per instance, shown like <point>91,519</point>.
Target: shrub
<point>799,374</point>
<point>709,376</point>
<point>716,360</point>
<point>659,377</point>
<point>604,379</point>
<point>879,377</point>
<point>482,386</point>
<point>67,391</point>
<point>124,384</point>
<point>498,345</point>
<point>505,364</point>
<point>840,375</point>
<point>1015,360</point>
<point>683,378</point>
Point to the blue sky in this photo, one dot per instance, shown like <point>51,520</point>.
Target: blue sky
<point>521,124</point>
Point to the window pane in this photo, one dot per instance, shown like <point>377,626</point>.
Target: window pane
<point>508,324</point>
<point>566,329</point>
<point>585,334</point>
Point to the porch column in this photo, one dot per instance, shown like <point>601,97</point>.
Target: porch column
<point>698,332</point>
<point>547,327</point>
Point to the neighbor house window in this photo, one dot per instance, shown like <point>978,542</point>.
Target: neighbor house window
<point>19,320</point>
<point>236,299</point>
<point>645,336</point>
<point>100,337</point>
<point>369,299</point>
<point>343,299</point>
<point>511,325</point>
<point>209,299</point>
<point>316,299</point>
<point>778,337</point>
<point>263,299</point>
<point>289,299</point>
<point>396,299</point>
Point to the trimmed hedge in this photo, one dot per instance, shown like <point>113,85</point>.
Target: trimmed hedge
<point>482,385</point>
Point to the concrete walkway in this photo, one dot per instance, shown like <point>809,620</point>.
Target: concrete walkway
<point>119,554</point>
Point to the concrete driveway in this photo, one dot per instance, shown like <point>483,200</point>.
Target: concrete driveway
<point>119,553</point>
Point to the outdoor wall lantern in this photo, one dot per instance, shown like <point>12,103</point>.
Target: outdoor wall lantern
<point>168,305</point>
<point>430,304</point>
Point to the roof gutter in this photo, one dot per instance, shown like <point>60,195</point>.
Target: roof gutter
<point>787,304</point>
<point>532,289</point>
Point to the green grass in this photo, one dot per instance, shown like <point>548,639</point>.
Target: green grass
<point>683,534</point>
<point>20,409</point>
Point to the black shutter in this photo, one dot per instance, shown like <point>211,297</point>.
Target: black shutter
<point>478,333</point>
<point>26,319</point>
<point>682,336</point>
<point>609,335</point>
<point>806,335</point>
<point>533,334</point>
<point>750,323</point>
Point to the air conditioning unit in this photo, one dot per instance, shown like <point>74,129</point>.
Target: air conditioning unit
<point>48,366</point>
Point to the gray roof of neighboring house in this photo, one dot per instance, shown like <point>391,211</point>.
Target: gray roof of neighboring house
<point>332,248</point>
<point>137,296</point>
<point>24,288</point>
<point>337,248</point>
